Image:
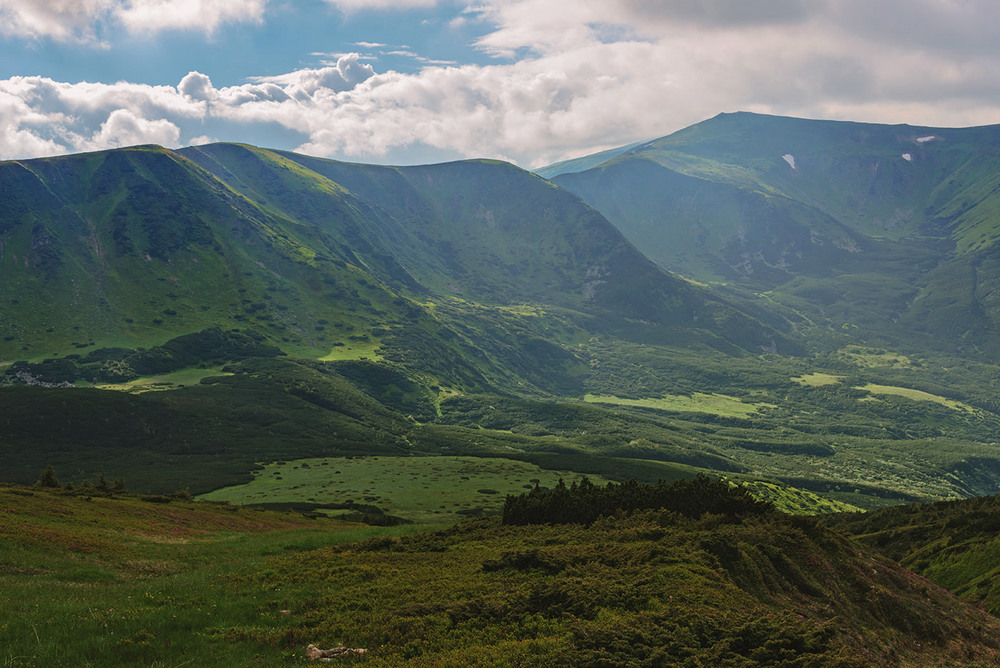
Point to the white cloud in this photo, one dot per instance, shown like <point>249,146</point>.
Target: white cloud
<point>59,19</point>
<point>27,144</point>
<point>608,73</point>
<point>125,128</point>
<point>345,74</point>
<point>204,15</point>
<point>19,137</point>
<point>39,116</point>
<point>196,86</point>
<point>84,20</point>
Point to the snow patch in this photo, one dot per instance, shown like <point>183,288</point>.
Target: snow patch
<point>907,157</point>
<point>790,159</point>
<point>924,140</point>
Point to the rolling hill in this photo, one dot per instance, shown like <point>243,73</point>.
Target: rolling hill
<point>373,294</point>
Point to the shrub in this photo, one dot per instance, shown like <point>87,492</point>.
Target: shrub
<point>585,502</point>
<point>48,478</point>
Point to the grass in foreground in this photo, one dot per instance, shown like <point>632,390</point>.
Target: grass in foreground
<point>140,582</point>
<point>95,581</point>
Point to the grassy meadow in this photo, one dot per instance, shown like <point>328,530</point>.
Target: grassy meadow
<point>418,489</point>
<point>147,581</point>
<point>700,402</point>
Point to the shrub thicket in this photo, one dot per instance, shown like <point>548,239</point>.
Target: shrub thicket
<point>584,502</point>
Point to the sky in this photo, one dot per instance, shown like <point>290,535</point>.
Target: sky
<point>528,81</point>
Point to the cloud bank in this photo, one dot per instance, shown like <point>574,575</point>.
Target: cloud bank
<point>562,83</point>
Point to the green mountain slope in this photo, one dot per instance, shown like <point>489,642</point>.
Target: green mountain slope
<point>477,230</point>
<point>952,543</point>
<point>133,247</point>
<point>395,288</point>
<point>867,225</point>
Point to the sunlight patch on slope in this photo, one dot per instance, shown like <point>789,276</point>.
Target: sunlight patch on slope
<point>916,395</point>
<point>818,379</point>
<point>354,350</point>
<point>698,402</point>
<point>421,489</point>
<point>165,381</point>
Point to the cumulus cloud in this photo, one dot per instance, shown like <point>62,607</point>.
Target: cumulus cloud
<point>609,73</point>
<point>125,128</point>
<point>196,86</point>
<point>40,116</point>
<point>20,137</point>
<point>345,74</point>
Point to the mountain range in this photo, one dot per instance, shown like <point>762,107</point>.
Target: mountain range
<point>806,306</point>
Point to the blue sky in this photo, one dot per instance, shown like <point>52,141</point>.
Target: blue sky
<point>291,36</point>
<point>530,81</point>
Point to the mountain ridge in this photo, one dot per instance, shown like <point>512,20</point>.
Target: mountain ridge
<point>321,222</point>
<point>769,203</point>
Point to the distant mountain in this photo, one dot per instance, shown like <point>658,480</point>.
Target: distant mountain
<point>859,224</point>
<point>136,246</point>
<point>586,162</point>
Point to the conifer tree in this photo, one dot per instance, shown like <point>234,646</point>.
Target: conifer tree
<point>48,478</point>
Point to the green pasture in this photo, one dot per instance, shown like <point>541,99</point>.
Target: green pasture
<point>420,489</point>
<point>817,379</point>
<point>697,402</point>
<point>916,395</point>
<point>166,381</point>
<point>354,350</point>
<point>874,357</point>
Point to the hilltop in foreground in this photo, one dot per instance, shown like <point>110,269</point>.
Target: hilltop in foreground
<point>125,580</point>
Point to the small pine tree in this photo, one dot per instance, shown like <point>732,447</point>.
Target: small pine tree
<point>48,478</point>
